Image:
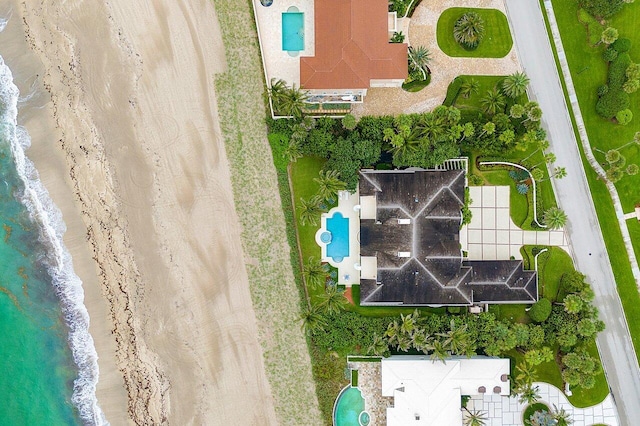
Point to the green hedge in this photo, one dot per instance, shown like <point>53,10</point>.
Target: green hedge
<point>617,71</point>
<point>453,91</point>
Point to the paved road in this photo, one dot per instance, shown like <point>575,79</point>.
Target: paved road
<point>573,195</point>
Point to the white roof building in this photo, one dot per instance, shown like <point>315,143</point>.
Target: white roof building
<point>429,393</point>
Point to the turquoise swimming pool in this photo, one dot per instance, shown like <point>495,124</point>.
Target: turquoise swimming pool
<point>292,31</point>
<point>349,408</point>
<point>338,227</point>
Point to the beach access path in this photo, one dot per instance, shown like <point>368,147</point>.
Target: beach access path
<point>132,100</point>
<point>573,195</point>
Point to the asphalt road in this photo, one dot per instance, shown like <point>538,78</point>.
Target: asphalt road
<point>572,193</point>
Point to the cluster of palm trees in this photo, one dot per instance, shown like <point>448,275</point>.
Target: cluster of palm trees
<point>287,101</point>
<point>419,59</point>
<point>329,184</point>
<point>331,301</point>
<point>513,86</point>
<point>616,161</point>
<point>406,334</point>
<point>469,30</point>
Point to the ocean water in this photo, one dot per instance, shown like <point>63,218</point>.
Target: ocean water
<point>48,363</point>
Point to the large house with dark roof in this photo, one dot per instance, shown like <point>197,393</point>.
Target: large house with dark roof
<point>410,249</point>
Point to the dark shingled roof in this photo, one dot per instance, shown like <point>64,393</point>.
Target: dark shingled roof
<point>434,272</point>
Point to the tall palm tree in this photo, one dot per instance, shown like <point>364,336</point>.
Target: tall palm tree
<point>420,340</point>
<point>329,184</point>
<point>293,151</point>
<point>379,346</point>
<point>542,145</point>
<point>407,324</point>
<point>404,343</point>
<point>636,140</point>
<point>554,218</point>
<point>475,418</point>
<point>312,319</point>
<point>488,128</point>
<point>515,85</point>
<point>493,102</point>
<point>309,210</point>
<point>561,416</point>
<point>609,35</point>
<point>516,111</point>
<point>277,90</point>
<point>392,333</point>
<point>332,300</point>
<point>438,351</point>
<point>291,103</point>
<point>559,173</point>
<point>470,87</point>
<point>529,394</point>
<point>525,372</point>
<point>456,340</point>
<point>469,30</point>
<point>419,59</point>
<point>314,272</point>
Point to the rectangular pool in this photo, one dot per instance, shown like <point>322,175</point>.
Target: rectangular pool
<point>292,31</point>
<point>338,248</point>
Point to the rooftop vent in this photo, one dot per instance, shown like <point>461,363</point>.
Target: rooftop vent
<point>497,389</point>
<point>504,378</point>
<point>482,389</point>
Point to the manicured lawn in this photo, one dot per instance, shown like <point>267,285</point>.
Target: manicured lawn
<point>497,41</point>
<point>302,173</point>
<point>604,207</point>
<point>557,262</point>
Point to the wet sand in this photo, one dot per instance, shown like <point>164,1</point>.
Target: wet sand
<point>126,139</point>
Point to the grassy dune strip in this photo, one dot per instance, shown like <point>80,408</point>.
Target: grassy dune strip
<point>257,199</point>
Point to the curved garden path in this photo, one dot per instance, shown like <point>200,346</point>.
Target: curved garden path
<point>422,31</point>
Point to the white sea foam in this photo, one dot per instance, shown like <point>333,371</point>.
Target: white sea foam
<point>67,284</point>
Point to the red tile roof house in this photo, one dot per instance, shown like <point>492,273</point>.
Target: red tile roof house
<point>352,51</point>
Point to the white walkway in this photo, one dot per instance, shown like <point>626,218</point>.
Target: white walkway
<point>504,411</point>
<point>492,235</point>
<point>583,229</point>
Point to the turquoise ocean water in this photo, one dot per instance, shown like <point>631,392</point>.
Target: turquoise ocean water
<point>48,364</point>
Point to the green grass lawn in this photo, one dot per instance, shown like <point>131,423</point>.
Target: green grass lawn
<point>497,40</point>
<point>565,15</point>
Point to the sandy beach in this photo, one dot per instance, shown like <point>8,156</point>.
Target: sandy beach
<point>126,138</point>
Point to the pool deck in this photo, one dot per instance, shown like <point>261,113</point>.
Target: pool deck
<point>278,63</point>
<point>348,272</point>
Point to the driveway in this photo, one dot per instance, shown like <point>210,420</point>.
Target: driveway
<point>573,195</point>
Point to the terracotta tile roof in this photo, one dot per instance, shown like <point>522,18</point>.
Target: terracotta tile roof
<point>352,46</point>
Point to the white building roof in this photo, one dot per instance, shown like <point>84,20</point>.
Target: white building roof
<point>429,393</point>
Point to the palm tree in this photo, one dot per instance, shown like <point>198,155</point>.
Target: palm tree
<point>573,303</point>
<point>420,340</point>
<point>312,319</point>
<point>488,128</point>
<point>419,59</point>
<point>561,416</point>
<point>277,90</point>
<point>529,394</point>
<point>309,210</point>
<point>559,173</point>
<point>407,324</point>
<point>332,300</point>
<point>614,174</point>
<point>525,372</point>
<point>470,87</point>
<point>474,418</point>
<point>314,272</point>
<point>392,333</point>
<point>549,158</point>
<point>404,343</point>
<point>293,151</point>
<point>469,30</point>
<point>543,145</point>
<point>379,346</point>
<point>291,102</point>
<point>632,169</point>
<point>554,218</point>
<point>534,114</point>
<point>493,102</point>
<point>613,156</point>
<point>515,85</point>
<point>636,140</point>
<point>438,351</point>
<point>329,184</point>
<point>517,111</point>
<point>456,340</point>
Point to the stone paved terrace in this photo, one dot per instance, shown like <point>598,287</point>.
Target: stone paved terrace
<point>370,385</point>
<point>503,411</point>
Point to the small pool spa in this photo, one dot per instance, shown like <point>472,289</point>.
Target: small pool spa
<point>292,30</point>
<point>349,408</point>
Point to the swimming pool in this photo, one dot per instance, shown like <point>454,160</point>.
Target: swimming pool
<point>349,408</point>
<point>338,226</point>
<point>292,31</point>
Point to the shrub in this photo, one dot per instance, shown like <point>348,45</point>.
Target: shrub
<point>540,310</point>
<point>453,91</point>
<point>612,102</point>
<point>602,8</point>
<point>475,180</point>
<point>603,90</point>
<point>621,45</point>
<point>454,309</point>
<point>609,54</point>
<point>349,122</point>
<point>522,188</point>
<point>468,31</point>
<point>624,116</point>
<point>618,71</point>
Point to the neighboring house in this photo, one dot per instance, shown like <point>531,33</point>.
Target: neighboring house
<point>352,50</point>
<point>410,245</point>
<point>427,393</point>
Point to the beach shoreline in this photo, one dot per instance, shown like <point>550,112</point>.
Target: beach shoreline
<point>130,151</point>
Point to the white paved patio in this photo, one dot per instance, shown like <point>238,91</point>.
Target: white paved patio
<point>279,64</point>
<point>492,235</point>
<point>505,411</point>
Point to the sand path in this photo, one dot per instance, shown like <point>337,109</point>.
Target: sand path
<point>422,32</point>
<point>136,119</point>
